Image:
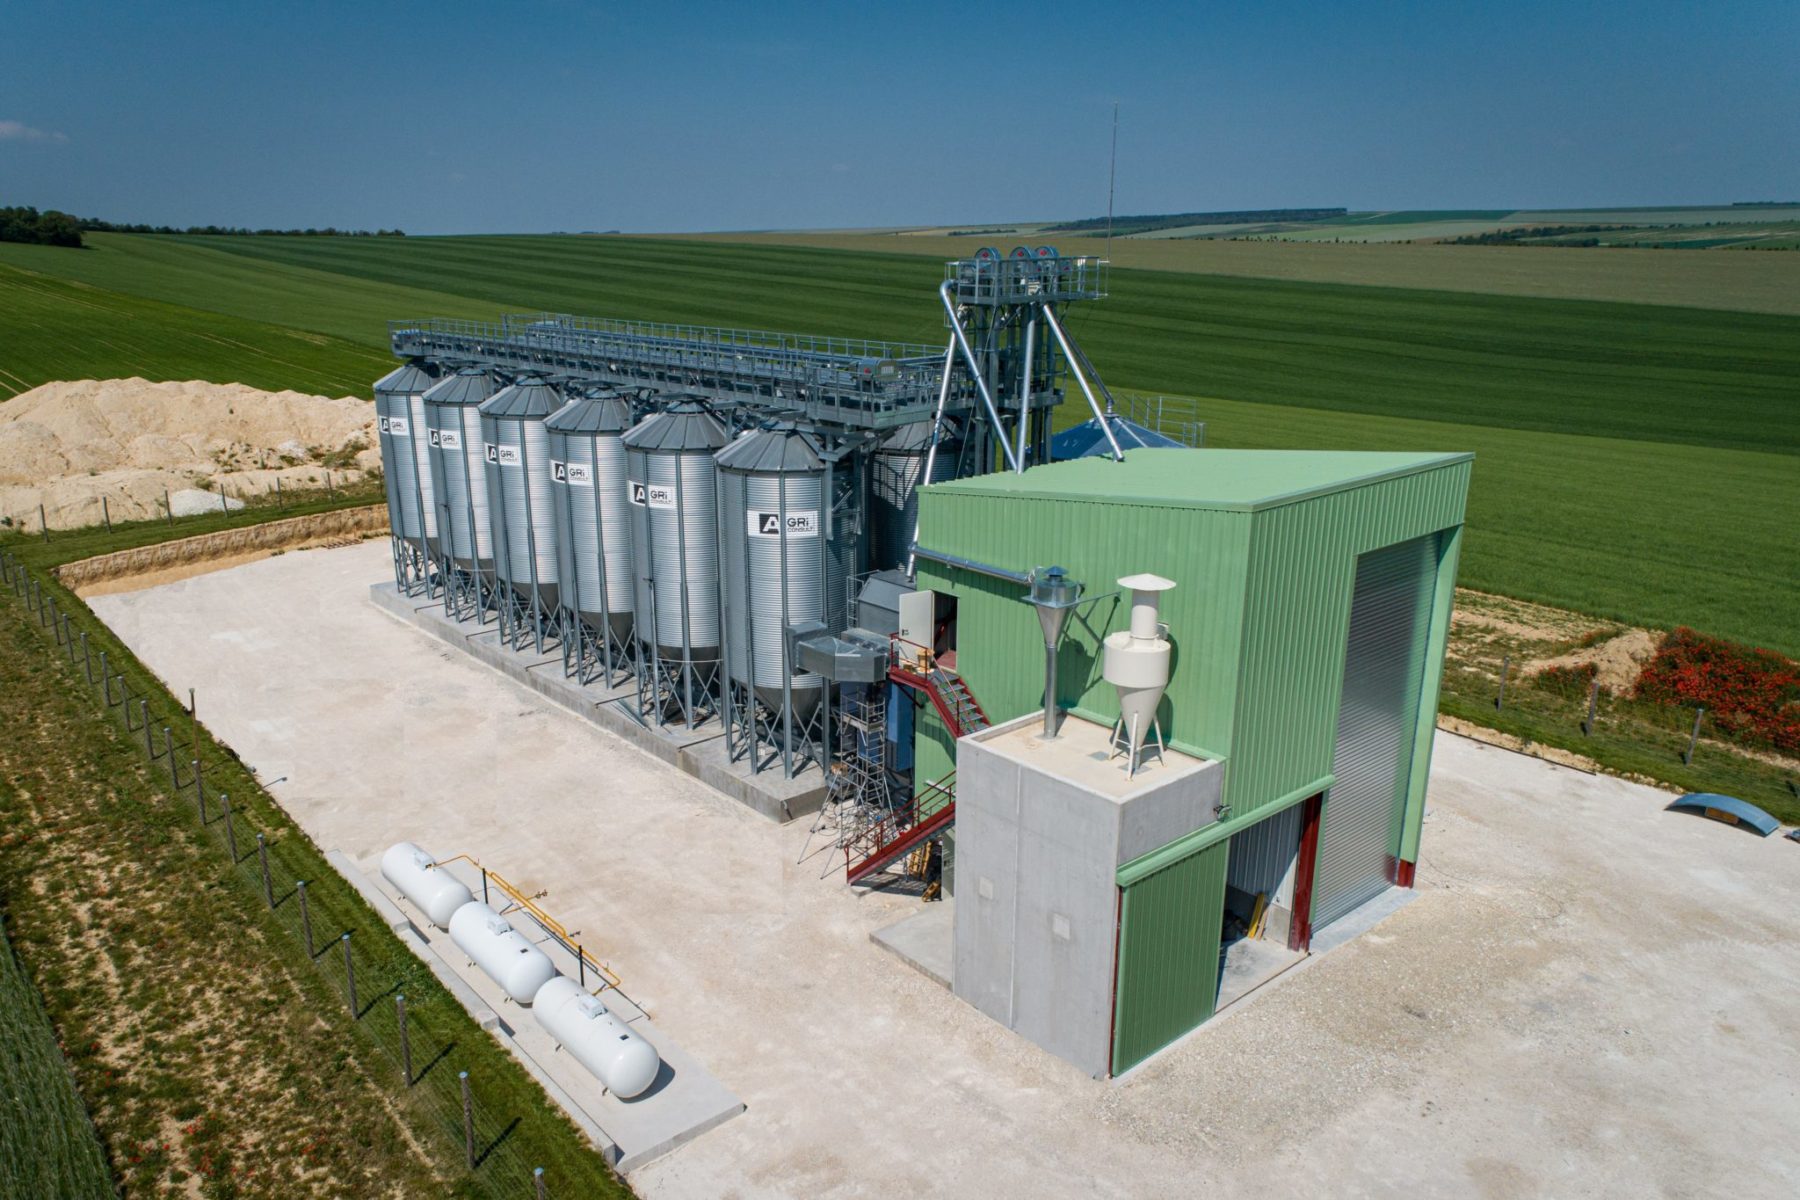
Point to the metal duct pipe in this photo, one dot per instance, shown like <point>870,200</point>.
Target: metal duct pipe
<point>969,564</point>
<point>1024,430</point>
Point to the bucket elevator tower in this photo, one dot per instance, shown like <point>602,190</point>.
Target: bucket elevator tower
<point>1009,346</point>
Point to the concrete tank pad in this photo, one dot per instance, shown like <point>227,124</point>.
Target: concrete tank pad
<point>683,1103</point>
<point>699,752</point>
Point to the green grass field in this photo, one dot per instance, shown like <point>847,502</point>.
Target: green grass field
<point>52,327</point>
<point>162,965</point>
<point>1634,461</point>
<point>48,1146</point>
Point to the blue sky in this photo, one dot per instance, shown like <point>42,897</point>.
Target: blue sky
<point>539,115</point>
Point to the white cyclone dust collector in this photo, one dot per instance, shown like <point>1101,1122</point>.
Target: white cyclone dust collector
<point>1137,665</point>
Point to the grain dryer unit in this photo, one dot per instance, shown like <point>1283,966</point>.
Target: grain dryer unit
<point>673,494</point>
<point>406,474</point>
<point>459,486</point>
<point>521,509</point>
<point>588,485</point>
<point>788,551</point>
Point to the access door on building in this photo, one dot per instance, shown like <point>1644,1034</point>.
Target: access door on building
<point>1390,616</point>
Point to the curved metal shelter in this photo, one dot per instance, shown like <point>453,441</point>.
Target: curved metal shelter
<point>1729,810</point>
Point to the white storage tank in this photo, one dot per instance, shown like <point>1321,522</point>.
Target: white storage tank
<point>623,1062</point>
<point>505,954</point>
<point>436,892</point>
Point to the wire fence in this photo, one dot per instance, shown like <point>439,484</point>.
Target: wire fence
<point>218,498</point>
<point>395,1003</point>
<point>1593,712</point>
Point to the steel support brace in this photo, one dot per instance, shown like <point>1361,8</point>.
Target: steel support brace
<point>961,337</point>
<point>1075,360</point>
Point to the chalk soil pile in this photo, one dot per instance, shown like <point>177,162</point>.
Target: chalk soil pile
<point>65,445</point>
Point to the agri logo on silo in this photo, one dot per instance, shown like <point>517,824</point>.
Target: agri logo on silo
<point>505,456</point>
<point>796,524</point>
<point>652,495</point>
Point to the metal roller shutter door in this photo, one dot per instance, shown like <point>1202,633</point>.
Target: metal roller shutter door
<point>1377,718</point>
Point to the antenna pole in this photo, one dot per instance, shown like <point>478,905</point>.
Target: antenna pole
<point>1112,176</point>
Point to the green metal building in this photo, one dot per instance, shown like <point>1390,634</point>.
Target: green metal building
<point>1312,602</point>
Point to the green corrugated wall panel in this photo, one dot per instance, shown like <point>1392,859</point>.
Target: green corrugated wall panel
<point>1169,932</point>
<point>1449,554</point>
<point>1301,573</point>
<point>934,750</point>
<point>1000,650</point>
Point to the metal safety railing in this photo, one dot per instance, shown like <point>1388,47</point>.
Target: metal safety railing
<point>992,278</point>
<point>549,924</point>
<point>849,381</point>
<point>903,829</point>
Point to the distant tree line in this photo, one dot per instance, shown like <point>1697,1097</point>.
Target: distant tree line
<point>1528,235</point>
<point>1146,222</point>
<point>96,226</point>
<point>50,228</point>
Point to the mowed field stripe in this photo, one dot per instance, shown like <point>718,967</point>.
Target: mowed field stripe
<point>1607,370</point>
<point>1595,486</point>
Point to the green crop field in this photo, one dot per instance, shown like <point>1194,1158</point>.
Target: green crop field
<point>1736,282</point>
<point>1635,460</point>
<point>53,327</point>
<point>47,1144</point>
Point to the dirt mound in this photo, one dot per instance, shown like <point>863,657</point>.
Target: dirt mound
<point>1617,661</point>
<point>65,445</point>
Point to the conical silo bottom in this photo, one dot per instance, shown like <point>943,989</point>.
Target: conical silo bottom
<point>546,594</point>
<point>620,625</point>
<point>805,701</point>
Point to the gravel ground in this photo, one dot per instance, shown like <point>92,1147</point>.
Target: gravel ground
<point>1589,997</point>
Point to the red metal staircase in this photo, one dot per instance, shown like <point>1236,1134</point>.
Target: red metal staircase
<point>933,810</point>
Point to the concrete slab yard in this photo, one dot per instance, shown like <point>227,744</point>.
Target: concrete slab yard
<point>1579,974</point>
<point>699,751</point>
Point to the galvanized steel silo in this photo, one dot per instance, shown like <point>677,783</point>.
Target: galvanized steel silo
<point>785,562</point>
<point>459,482</point>
<point>520,503</point>
<point>675,553</point>
<point>406,471</point>
<point>589,484</point>
<point>896,471</point>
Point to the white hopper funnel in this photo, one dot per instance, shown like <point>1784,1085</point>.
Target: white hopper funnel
<point>1137,665</point>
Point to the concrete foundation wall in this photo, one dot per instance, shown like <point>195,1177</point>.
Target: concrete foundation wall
<point>1036,911</point>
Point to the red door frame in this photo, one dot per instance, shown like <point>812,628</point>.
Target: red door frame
<point>1300,929</point>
